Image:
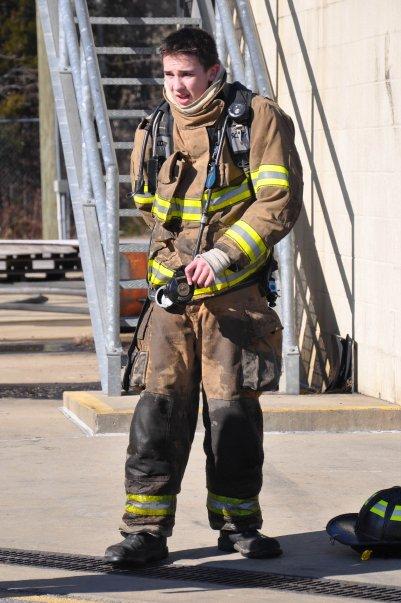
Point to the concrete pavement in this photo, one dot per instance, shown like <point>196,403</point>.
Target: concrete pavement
<point>63,491</point>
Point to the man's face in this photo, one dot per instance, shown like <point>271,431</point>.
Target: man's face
<point>186,78</point>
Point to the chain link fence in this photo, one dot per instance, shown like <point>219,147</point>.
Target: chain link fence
<point>20,195</point>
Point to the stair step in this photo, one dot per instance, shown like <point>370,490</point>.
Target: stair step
<point>131,81</point>
<point>134,247</point>
<point>129,213</point>
<point>144,21</point>
<point>127,113</point>
<point>134,284</point>
<point>127,50</point>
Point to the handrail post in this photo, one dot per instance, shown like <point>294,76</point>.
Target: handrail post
<point>237,64</point>
<point>112,261</point>
<point>84,101</point>
<point>250,80</point>
<point>252,41</point>
<point>220,40</point>
<point>285,252</point>
<point>110,161</point>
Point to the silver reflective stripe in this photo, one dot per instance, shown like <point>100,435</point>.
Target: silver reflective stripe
<point>243,233</point>
<point>275,175</point>
<point>379,508</point>
<point>149,505</point>
<point>231,506</point>
<point>233,193</point>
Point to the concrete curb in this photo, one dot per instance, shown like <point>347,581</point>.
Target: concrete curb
<point>319,412</point>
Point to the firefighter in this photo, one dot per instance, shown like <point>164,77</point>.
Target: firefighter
<point>207,323</point>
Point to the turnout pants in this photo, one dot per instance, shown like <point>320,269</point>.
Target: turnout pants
<point>230,347</point>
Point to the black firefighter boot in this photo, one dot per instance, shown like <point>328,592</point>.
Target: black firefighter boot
<point>250,543</point>
<point>137,549</point>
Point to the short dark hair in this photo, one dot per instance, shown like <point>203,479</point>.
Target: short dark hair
<point>191,40</point>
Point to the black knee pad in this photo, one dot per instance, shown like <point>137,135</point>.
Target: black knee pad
<point>148,450</point>
<point>234,446</point>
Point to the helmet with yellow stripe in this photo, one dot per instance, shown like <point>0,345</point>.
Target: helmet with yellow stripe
<point>375,529</point>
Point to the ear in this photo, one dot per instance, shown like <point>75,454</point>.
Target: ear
<point>213,71</point>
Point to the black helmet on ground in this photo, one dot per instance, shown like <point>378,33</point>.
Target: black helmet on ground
<point>376,529</point>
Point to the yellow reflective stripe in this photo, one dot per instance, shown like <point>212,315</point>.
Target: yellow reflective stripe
<point>229,507</point>
<point>190,209</point>
<point>185,209</point>
<point>151,498</point>
<point>396,514</point>
<point>270,175</point>
<point>247,239</point>
<point>379,508</point>
<point>230,500</point>
<point>230,278</point>
<point>242,196</point>
<point>158,274</point>
<point>139,511</point>
<point>231,196</point>
<point>269,167</point>
<point>145,504</point>
<point>242,244</point>
<point>261,182</point>
<point>230,512</point>
<point>163,215</point>
<point>144,198</point>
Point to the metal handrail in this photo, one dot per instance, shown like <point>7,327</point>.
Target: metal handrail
<point>91,101</point>
<point>227,25</point>
<point>112,183</point>
<point>88,130</point>
<point>255,51</point>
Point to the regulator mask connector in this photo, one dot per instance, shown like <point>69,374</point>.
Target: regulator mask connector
<point>177,292</point>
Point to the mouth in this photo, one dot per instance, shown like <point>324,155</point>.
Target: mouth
<point>183,99</point>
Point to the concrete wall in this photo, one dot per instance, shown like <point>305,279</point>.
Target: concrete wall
<point>335,67</point>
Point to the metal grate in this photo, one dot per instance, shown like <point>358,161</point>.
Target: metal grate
<point>229,577</point>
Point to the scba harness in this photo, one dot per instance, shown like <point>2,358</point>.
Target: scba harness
<point>234,126</point>
<point>160,125</point>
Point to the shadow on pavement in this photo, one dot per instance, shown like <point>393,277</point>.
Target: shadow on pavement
<point>308,554</point>
<point>45,391</point>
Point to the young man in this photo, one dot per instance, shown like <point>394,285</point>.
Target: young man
<point>225,338</point>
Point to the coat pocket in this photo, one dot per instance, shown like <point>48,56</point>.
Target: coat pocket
<point>166,206</point>
<point>138,372</point>
<point>261,357</point>
<point>260,370</point>
<point>135,372</point>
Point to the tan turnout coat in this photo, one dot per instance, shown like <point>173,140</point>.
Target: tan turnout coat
<point>249,213</point>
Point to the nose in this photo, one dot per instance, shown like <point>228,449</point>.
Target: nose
<point>177,83</point>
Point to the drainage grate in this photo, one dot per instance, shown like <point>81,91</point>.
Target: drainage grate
<point>224,576</point>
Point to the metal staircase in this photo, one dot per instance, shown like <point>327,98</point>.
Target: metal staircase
<point>96,145</point>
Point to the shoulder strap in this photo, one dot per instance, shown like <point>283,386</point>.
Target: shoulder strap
<point>159,144</point>
<point>240,119</point>
<point>164,134</point>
